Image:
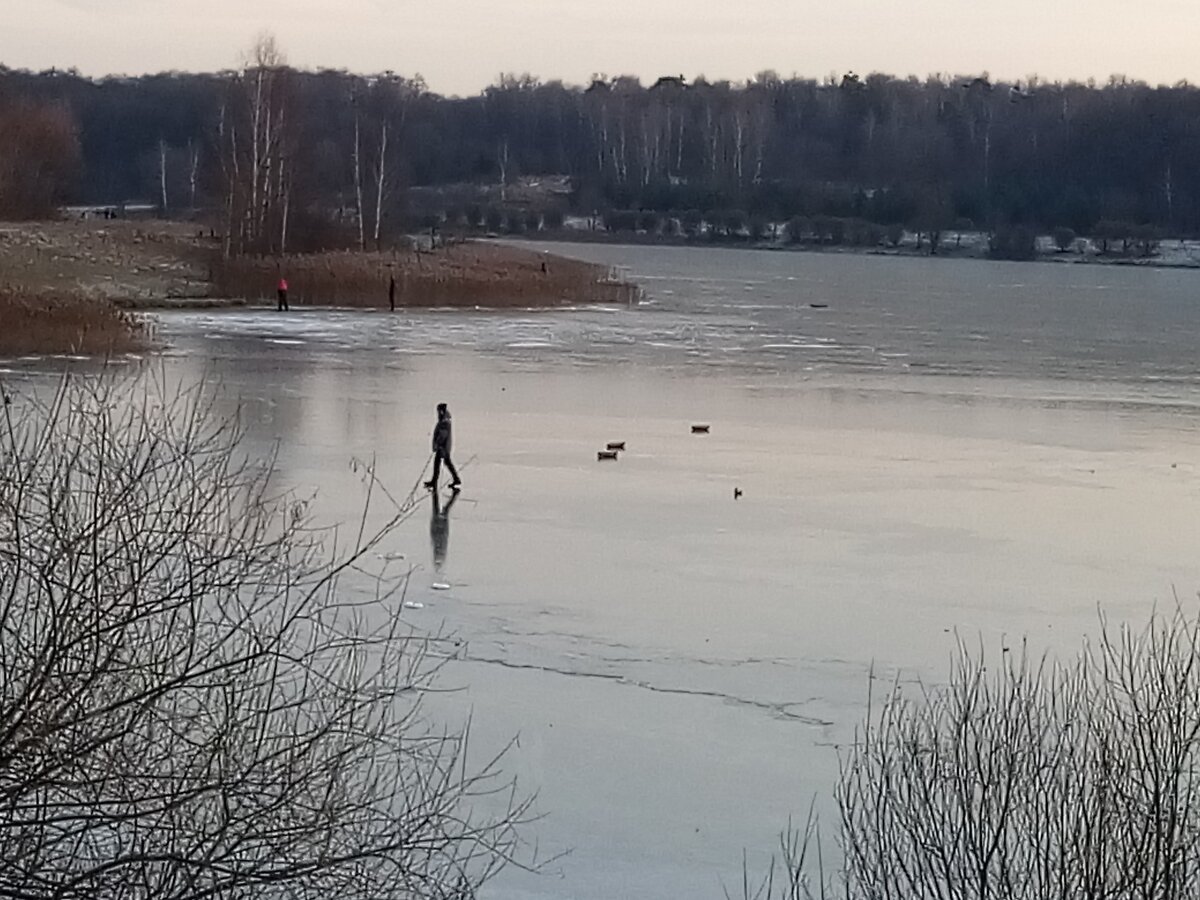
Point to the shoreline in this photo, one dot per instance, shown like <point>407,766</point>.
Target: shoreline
<point>947,252</point>
<point>81,287</point>
<point>468,274</point>
<point>172,304</point>
<point>142,266</point>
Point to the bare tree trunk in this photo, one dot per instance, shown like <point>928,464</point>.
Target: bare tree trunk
<point>623,167</point>
<point>1169,193</point>
<point>739,146</point>
<point>679,148</point>
<point>667,156</point>
<point>281,202</point>
<point>602,142</point>
<point>287,205</point>
<point>358,193</point>
<point>255,141</point>
<point>269,160</point>
<point>380,178</point>
<point>503,159</point>
<point>760,142</point>
<point>647,162</point>
<point>711,128</point>
<point>987,168</point>
<point>229,170</point>
<point>193,169</point>
<point>162,174</point>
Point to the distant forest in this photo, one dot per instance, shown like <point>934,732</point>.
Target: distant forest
<point>278,154</point>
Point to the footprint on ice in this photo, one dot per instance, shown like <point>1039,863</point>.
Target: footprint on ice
<point>440,586</point>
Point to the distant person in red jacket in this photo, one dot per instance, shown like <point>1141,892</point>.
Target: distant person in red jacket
<point>282,294</point>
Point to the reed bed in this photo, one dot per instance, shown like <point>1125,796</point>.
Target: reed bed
<point>55,322</point>
<point>461,275</point>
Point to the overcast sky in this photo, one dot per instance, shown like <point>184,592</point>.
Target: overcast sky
<point>459,46</point>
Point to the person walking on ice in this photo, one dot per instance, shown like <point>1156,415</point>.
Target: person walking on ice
<point>281,294</point>
<point>441,450</point>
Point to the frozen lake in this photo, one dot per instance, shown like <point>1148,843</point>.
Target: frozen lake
<point>996,449</point>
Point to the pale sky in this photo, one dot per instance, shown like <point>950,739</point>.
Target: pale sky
<point>460,46</point>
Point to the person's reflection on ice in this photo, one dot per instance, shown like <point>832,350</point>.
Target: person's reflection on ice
<point>439,528</point>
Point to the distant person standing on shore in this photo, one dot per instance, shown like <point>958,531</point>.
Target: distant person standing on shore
<point>392,292</point>
<point>282,294</point>
<point>441,450</point>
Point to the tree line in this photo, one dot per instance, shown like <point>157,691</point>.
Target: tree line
<point>39,156</point>
<point>284,155</point>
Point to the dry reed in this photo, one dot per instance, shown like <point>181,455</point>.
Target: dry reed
<point>33,321</point>
<point>463,275</point>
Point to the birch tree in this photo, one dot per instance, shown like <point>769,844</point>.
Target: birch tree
<point>356,161</point>
<point>385,112</point>
<point>255,146</point>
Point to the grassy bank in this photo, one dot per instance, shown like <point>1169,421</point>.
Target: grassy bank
<point>65,286</point>
<point>464,275</point>
<point>133,263</point>
<point>59,322</point>
<point>161,264</point>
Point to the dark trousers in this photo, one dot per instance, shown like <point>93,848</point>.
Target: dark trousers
<point>438,458</point>
<point>282,300</point>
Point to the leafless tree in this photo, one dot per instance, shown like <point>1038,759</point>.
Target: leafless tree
<point>162,176</point>
<point>193,173</point>
<point>380,107</point>
<point>356,157</point>
<point>195,701</point>
<point>381,178</point>
<point>255,143</point>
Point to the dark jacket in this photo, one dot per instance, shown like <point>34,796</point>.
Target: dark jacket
<point>441,435</point>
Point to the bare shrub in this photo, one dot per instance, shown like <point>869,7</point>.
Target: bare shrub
<point>1032,779</point>
<point>796,871</point>
<point>192,702</point>
<point>1026,780</point>
<point>48,321</point>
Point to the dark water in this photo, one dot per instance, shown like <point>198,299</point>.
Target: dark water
<point>995,449</point>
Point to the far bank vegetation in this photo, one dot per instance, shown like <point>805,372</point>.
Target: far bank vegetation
<point>469,274</point>
<point>1020,777</point>
<point>252,195</point>
<point>277,222</point>
<point>37,322</point>
<point>280,154</point>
